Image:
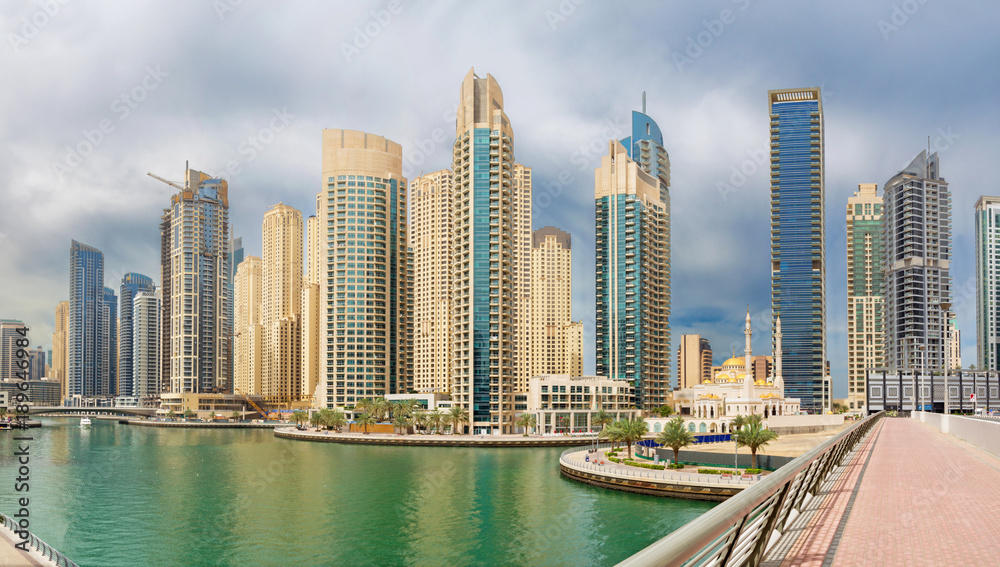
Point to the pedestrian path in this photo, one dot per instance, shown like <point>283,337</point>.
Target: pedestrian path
<point>909,495</point>
<point>11,556</point>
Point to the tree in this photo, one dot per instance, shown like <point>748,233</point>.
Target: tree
<point>366,405</point>
<point>665,411</point>
<point>421,419</point>
<point>602,418</point>
<point>234,415</point>
<point>632,431</point>
<point>839,408</point>
<point>316,419</point>
<point>3,412</point>
<point>435,418</point>
<point>676,436</point>
<point>737,423</point>
<point>171,414</point>
<point>526,420</point>
<point>401,421</point>
<point>457,417</point>
<point>188,414</point>
<point>612,432</point>
<point>382,408</point>
<point>754,436</point>
<point>299,417</point>
<point>365,421</point>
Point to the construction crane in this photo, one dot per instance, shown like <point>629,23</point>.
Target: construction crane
<point>249,401</point>
<point>167,181</point>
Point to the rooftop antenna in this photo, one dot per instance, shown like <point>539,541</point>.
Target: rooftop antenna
<point>927,160</point>
<point>644,103</point>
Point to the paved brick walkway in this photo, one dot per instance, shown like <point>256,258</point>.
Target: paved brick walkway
<point>10,556</point>
<point>909,496</point>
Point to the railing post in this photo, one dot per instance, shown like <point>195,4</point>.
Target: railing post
<point>760,548</point>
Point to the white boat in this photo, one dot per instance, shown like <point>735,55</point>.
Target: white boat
<point>85,422</point>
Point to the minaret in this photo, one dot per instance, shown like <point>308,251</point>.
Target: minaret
<point>779,383</point>
<point>748,352</point>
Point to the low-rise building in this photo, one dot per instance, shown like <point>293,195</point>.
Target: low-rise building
<point>567,404</point>
<point>208,405</point>
<point>43,392</point>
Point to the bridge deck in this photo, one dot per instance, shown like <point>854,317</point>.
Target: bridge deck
<point>909,495</point>
<point>11,556</point>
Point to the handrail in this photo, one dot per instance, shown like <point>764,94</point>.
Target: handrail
<point>36,542</point>
<point>739,531</point>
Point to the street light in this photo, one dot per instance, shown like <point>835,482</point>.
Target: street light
<point>923,370</point>
<point>945,309</point>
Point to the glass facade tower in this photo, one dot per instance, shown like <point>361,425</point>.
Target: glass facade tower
<point>131,285</point>
<point>987,284</point>
<point>798,240</point>
<point>865,253</point>
<point>87,323</point>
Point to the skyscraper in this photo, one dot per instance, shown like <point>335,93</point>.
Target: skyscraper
<point>194,238</point>
<point>313,327</point>
<point>248,333</point>
<point>917,236</point>
<point>554,334</point>
<point>987,284</point>
<point>491,238</point>
<point>145,356</point>
<point>521,277</point>
<point>131,285</point>
<point>632,198</point>
<point>36,363</point>
<point>865,267</point>
<point>235,256</point>
<point>281,378</point>
<point>60,344</point>
<point>8,347</point>
<point>432,235</point>
<point>798,239</point>
<point>87,323</point>
<point>365,296</point>
<point>109,344</point>
<point>694,361</point>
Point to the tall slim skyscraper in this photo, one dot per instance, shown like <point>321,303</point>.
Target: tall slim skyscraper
<point>987,284</point>
<point>432,236</point>
<point>694,361</point>
<point>365,295</point>
<point>491,238</point>
<point>131,285</point>
<point>8,347</point>
<point>87,322</point>
<point>235,256</point>
<point>632,198</point>
<point>36,363</point>
<point>109,343</point>
<point>145,343</point>
<point>282,303</point>
<point>865,257</point>
<point>798,239</point>
<point>917,235</point>
<point>521,278</point>
<point>60,344</point>
<point>312,325</point>
<point>248,333</point>
<point>554,334</point>
<point>194,239</point>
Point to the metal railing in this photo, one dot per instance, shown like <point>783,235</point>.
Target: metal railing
<point>36,542</point>
<point>739,531</point>
<point>666,475</point>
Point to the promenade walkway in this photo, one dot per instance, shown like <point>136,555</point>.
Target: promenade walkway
<point>909,495</point>
<point>11,556</point>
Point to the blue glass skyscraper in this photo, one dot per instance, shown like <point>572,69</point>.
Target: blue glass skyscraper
<point>109,344</point>
<point>798,240</point>
<point>632,202</point>
<point>132,284</point>
<point>87,322</point>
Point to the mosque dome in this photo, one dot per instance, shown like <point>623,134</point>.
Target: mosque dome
<point>735,361</point>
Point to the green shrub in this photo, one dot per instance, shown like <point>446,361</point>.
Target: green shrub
<point>676,465</point>
<point>752,471</point>
<point>645,465</point>
<point>614,459</point>
<point>711,471</point>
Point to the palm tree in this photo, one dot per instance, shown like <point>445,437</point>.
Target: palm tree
<point>435,418</point>
<point>612,432</point>
<point>676,436</point>
<point>421,419</point>
<point>365,405</point>
<point>401,421</point>
<point>754,436</point>
<point>316,419</point>
<point>299,417</point>
<point>382,409</point>
<point>188,414</point>
<point>234,415</point>
<point>457,417</point>
<point>365,421</point>
<point>602,418</point>
<point>526,420</point>
<point>171,414</point>
<point>737,423</point>
<point>633,430</point>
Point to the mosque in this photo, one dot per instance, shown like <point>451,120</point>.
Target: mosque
<point>711,405</point>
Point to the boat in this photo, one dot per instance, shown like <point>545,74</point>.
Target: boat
<point>85,422</point>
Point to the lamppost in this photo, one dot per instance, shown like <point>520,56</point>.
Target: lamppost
<point>945,307</point>
<point>923,370</point>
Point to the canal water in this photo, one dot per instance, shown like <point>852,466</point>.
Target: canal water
<point>119,495</point>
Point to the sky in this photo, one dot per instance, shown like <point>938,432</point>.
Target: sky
<point>97,94</point>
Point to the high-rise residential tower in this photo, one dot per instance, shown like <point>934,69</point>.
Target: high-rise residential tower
<point>194,240</point>
<point>365,296</point>
<point>432,237</point>
<point>798,239</point>
<point>281,378</point>
<point>554,348</point>
<point>312,325</point>
<point>521,277</point>
<point>145,343</point>
<point>131,285</point>
<point>235,255</point>
<point>60,343</point>
<point>87,322</point>
<point>109,343</point>
<point>987,284</point>
<point>694,361</point>
<point>247,330</point>
<point>491,238</point>
<point>631,190</point>
<point>917,235</point>
<point>865,267</point>
<point>8,347</point>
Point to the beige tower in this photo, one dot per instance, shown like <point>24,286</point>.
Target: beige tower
<point>365,291</point>
<point>59,346</point>
<point>311,328</point>
<point>431,240</point>
<point>521,272</point>
<point>864,291</point>
<point>281,372</point>
<point>247,332</point>
<point>554,348</point>
<point>694,361</point>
